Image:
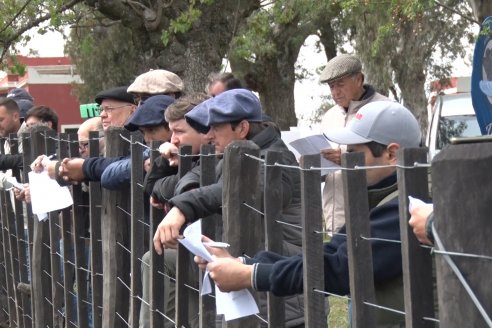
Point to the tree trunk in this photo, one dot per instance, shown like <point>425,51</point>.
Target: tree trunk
<point>481,9</point>
<point>277,95</point>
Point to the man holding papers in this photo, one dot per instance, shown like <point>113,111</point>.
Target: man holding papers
<point>343,74</point>
<point>379,130</point>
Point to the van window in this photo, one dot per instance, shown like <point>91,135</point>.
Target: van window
<point>456,126</point>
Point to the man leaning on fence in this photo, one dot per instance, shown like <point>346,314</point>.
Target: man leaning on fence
<point>379,130</point>
<point>236,115</point>
<point>344,76</point>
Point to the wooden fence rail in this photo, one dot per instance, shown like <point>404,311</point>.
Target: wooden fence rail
<point>82,277</point>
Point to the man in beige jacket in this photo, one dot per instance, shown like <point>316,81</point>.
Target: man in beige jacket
<point>344,76</point>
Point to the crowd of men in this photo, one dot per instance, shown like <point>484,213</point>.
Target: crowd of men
<point>156,104</point>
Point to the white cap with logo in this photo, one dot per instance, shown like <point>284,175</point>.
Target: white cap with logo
<point>384,122</point>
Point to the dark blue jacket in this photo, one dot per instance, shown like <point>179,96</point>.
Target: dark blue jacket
<point>94,167</point>
<point>283,275</point>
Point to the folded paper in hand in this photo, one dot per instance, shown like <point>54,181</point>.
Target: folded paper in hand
<point>313,145</point>
<point>232,305</point>
<point>47,195</point>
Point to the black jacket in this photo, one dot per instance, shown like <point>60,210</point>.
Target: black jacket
<point>9,161</point>
<point>204,201</point>
<point>157,177</point>
<point>201,202</point>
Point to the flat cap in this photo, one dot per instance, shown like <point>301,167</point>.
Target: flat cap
<point>149,113</point>
<point>339,67</point>
<point>229,106</point>
<point>118,93</point>
<point>157,81</point>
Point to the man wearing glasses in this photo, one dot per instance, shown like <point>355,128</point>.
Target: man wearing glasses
<point>116,106</point>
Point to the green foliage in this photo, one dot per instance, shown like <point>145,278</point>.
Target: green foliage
<point>16,67</point>
<point>183,23</point>
<point>106,56</point>
<point>18,17</point>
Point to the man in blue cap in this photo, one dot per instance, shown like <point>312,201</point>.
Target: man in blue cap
<point>236,115</point>
<point>379,130</point>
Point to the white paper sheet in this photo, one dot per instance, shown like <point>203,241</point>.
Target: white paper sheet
<point>313,145</point>
<point>414,202</point>
<point>47,195</point>
<point>232,305</point>
<point>235,305</point>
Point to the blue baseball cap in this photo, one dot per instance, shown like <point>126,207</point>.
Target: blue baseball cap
<point>229,106</point>
<point>149,113</point>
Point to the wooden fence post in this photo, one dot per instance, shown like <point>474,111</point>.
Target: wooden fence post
<point>462,194</point>
<point>67,243</point>
<point>312,244</point>
<point>79,230</point>
<point>57,256</point>
<point>416,260</point>
<point>137,229</point>
<point>95,238</point>
<point>272,196</point>
<point>115,233</point>
<point>243,227</point>
<point>184,259</point>
<point>40,273</point>
<point>16,215</point>
<point>22,247</point>
<point>212,227</point>
<point>359,250</point>
<point>156,280</point>
<point>9,253</point>
<point>29,310</point>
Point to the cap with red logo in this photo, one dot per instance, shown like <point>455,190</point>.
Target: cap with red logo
<point>384,122</point>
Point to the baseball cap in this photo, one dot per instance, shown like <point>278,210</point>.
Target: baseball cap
<point>157,81</point>
<point>149,113</point>
<point>23,99</point>
<point>118,93</point>
<point>229,106</point>
<point>384,122</point>
<point>339,67</point>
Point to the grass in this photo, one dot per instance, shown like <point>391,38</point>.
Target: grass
<point>338,317</point>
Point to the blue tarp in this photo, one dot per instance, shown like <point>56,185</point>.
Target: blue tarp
<point>481,82</point>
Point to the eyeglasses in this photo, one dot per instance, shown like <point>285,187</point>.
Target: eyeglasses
<point>109,109</point>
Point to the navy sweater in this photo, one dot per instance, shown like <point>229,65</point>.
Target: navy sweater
<point>283,275</point>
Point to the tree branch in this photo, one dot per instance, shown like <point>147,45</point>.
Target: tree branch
<point>8,42</point>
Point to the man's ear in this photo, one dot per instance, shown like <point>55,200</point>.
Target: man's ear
<point>392,149</point>
<point>244,129</point>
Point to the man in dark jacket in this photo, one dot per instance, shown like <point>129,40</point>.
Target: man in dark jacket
<point>378,130</point>
<point>235,115</point>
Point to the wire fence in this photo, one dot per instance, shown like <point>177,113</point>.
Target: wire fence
<point>93,265</point>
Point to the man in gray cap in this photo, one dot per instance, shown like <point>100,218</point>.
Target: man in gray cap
<point>344,76</point>
<point>379,131</point>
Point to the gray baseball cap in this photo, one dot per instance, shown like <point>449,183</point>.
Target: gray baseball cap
<point>339,67</point>
<point>384,122</point>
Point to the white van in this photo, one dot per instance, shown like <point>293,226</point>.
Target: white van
<point>453,116</point>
